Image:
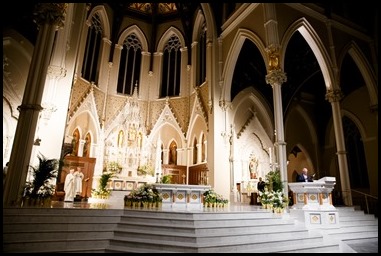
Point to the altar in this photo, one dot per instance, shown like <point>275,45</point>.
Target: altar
<point>181,196</point>
<point>313,202</point>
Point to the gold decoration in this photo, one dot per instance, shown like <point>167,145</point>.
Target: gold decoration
<point>180,196</point>
<point>273,53</point>
<point>165,196</point>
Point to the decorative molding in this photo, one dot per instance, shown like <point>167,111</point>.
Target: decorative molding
<point>276,77</point>
<point>334,95</point>
<point>50,13</point>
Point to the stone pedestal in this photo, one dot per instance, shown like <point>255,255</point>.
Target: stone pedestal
<point>181,196</point>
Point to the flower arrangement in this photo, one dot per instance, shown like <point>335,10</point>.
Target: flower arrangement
<point>211,198</point>
<point>143,196</point>
<point>145,169</point>
<point>279,200</point>
<point>273,197</point>
<point>266,197</point>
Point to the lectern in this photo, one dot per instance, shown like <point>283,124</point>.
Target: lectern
<point>313,202</point>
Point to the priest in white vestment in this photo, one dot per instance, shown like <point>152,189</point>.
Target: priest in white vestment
<point>69,186</point>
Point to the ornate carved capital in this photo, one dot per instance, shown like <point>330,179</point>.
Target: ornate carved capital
<point>276,77</point>
<point>56,72</point>
<point>334,95</point>
<point>50,13</point>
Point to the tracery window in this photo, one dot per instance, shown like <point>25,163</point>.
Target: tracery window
<point>129,68</point>
<point>90,64</point>
<point>170,85</point>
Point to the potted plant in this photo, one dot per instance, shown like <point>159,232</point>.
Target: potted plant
<point>166,179</point>
<point>102,192</point>
<point>40,188</point>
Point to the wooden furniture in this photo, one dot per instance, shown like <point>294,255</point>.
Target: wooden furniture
<point>87,165</point>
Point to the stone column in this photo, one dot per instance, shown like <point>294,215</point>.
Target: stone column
<point>334,97</point>
<point>49,17</point>
<point>276,78</point>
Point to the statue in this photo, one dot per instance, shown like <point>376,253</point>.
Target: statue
<point>253,166</point>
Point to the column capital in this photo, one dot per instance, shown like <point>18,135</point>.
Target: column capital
<point>50,13</point>
<point>276,76</point>
<point>334,95</point>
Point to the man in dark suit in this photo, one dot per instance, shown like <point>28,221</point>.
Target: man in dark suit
<point>261,185</point>
<point>304,177</point>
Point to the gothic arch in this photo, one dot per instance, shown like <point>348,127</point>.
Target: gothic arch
<point>304,115</point>
<point>316,45</point>
<point>357,122</point>
<point>256,100</point>
<point>167,35</point>
<point>139,34</point>
<point>197,26</point>
<point>101,11</point>
<point>365,69</point>
<point>232,57</point>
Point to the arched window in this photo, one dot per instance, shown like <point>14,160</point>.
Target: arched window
<point>201,74</point>
<point>93,44</point>
<point>130,61</point>
<point>170,85</point>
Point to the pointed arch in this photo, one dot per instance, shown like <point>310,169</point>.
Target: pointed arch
<point>316,45</point>
<point>167,35</point>
<point>235,49</point>
<point>105,23</point>
<point>365,69</point>
<point>139,34</point>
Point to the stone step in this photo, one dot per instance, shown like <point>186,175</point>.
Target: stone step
<point>170,231</point>
<point>59,245</point>
<point>233,245</point>
<point>57,227</point>
<point>222,237</point>
<point>203,231</point>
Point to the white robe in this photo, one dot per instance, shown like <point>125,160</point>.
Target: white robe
<point>69,188</point>
<point>78,182</point>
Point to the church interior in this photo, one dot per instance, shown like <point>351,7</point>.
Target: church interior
<point>215,93</point>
